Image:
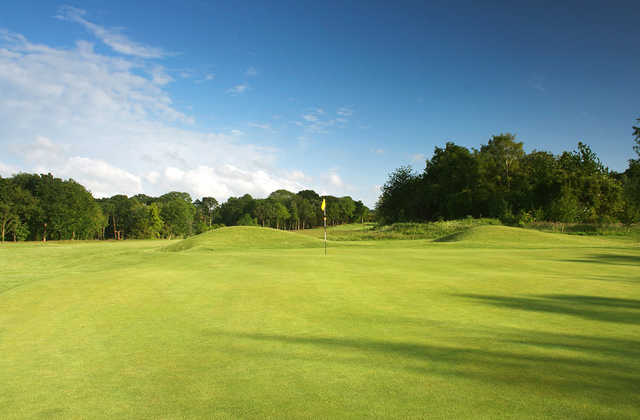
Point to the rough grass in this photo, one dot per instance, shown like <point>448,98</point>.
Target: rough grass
<point>244,237</point>
<point>399,329</point>
<point>501,236</point>
<point>371,231</point>
<point>586,229</point>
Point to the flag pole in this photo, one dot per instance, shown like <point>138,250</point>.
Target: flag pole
<point>325,228</point>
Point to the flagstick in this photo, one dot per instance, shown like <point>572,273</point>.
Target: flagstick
<point>325,231</point>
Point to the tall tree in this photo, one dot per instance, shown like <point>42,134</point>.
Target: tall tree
<point>448,183</point>
<point>177,211</point>
<point>397,202</point>
<point>15,205</point>
<point>636,137</point>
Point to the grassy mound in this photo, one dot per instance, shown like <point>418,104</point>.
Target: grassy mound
<point>245,237</point>
<point>512,236</point>
<point>402,231</point>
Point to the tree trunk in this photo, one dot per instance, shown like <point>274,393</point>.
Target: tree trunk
<point>44,235</point>
<point>4,223</point>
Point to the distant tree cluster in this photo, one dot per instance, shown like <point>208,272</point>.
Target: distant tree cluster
<point>42,207</point>
<point>286,210</point>
<point>501,180</point>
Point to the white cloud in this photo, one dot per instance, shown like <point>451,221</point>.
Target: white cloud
<point>113,37</point>
<point>8,170</point>
<point>152,177</point>
<point>298,175</point>
<point>207,77</point>
<point>378,151</point>
<point>99,120</point>
<point>335,180</point>
<point>316,122</point>
<point>264,126</point>
<point>227,180</point>
<point>418,158</point>
<point>238,89</point>
<point>251,72</point>
<point>100,177</point>
<point>235,132</point>
<point>159,76</point>
<point>345,111</point>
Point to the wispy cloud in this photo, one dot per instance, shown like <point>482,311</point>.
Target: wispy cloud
<point>345,111</point>
<point>418,158</point>
<point>335,180</point>
<point>378,151</point>
<point>251,72</point>
<point>54,99</point>
<point>317,121</point>
<point>160,76</point>
<point>8,170</point>
<point>207,77</point>
<point>238,89</point>
<point>264,126</point>
<point>113,37</point>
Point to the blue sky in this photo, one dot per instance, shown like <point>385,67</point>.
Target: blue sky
<point>225,98</point>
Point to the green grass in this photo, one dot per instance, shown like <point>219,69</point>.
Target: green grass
<point>496,322</point>
<point>372,231</point>
<point>244,238</point>
<point>590,229</point>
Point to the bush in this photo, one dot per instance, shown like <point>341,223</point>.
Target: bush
<point>247,220</point>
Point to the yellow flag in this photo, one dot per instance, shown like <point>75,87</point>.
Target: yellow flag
<point>323,205</point>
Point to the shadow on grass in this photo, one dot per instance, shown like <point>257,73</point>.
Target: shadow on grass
<point>625,311</point>
<point>566,364</point>
<point>611,259</point>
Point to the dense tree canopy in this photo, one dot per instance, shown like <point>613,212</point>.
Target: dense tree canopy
<point>501,180</point>
<point>41,207</point>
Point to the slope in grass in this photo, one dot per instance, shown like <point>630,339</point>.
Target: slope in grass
<point>398,231</point>
<point>512,236</point>
<point>245,237</point>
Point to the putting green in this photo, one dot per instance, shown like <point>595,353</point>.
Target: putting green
<point>252,323</point>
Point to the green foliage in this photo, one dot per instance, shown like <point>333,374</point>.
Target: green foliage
<point>502,181</point>
<point>630,230</point>
<point>56,209</point>
<point>177,212</point>
<point>397,202</point>
<point>247,220</point>
<point>205,212</point>
<point>40,207</point>
<point>403,230</point>
<point>636,139</point>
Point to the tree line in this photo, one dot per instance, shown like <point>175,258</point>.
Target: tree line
<point>41,207</point>
<point>501,180</point>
